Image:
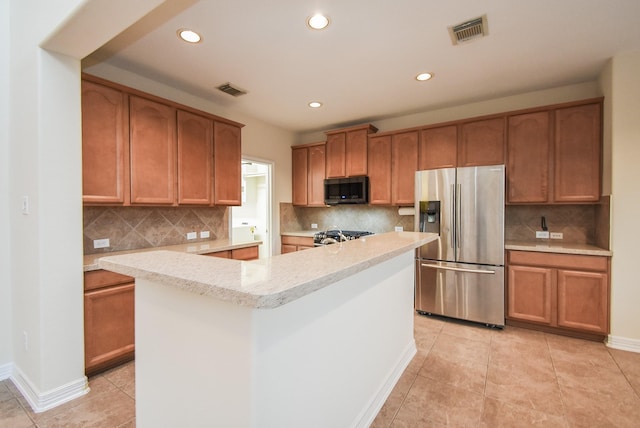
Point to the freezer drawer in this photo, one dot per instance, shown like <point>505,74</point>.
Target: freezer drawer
<point>459,290</point>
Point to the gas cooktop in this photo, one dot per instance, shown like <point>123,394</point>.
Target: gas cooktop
<point>347,235</point>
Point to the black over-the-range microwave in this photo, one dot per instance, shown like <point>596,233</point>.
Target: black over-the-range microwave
<point>352,190</point>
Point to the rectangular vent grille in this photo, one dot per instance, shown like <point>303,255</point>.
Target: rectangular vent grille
<point>469,30</point>
<point>227,88</point>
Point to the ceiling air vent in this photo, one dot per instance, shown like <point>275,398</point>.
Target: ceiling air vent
<point>227,88</point>
<point>469,30</point>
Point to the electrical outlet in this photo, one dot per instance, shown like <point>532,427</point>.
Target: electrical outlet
<point>314,225</point>
<point>205,234</point>
<point>542,234</point>
<point>101,243</point>
<point>192,235</point>
<point>398,228</point>
<point>556,235</point>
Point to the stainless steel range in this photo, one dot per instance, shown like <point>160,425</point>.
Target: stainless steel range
<point>331,236</point>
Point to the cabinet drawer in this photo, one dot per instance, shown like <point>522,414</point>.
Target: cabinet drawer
<point>248,253</point>
<point>564,261</point>
<point>103,278</point>
<point>297,240</point>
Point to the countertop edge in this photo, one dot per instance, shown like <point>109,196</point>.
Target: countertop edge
<point>203,247</point>
<point>578,249</point>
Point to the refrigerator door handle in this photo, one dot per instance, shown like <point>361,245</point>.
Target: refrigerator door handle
<point>453,212</point>
<point>459,216</point>
<point>456,269</point>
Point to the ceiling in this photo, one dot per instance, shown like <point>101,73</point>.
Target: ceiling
<point>363,66</point>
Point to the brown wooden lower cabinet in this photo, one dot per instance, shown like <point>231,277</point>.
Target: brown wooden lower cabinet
<point>109,337</point>
<point>247,253</point>
<point>290,244</point>
<point>565,293</point>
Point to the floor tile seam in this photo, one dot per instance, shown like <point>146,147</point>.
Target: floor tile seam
<point>529,409</point>
<point>636,392</point>
<point>404,398</point>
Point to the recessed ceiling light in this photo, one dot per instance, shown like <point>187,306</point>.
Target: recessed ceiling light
<point>315,104</point>
<point>189,35</point>
<point>424,76</point>
<point>318,21</point>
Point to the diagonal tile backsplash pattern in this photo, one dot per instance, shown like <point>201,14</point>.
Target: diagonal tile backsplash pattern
<point>130,228</point>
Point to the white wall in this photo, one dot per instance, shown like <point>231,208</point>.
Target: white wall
<point>5,255</point>
<point>625,234</point>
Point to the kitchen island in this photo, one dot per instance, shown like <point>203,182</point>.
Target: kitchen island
<point>315,338</point>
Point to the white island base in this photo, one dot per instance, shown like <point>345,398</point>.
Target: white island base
<point>327,359</point>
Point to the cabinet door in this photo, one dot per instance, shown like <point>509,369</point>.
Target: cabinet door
<point>379,149</point>
<point>531,294</point>
<point>404,164</point>
<point>578,146</point>
<point>482,142</point>
<point>108,326</point>
<point>583,299</point>
<point>438,148</point>
<point>528,153</point>
<point>356,153</point>
<point>335,152</point>
<point>195,159</point>
<point>153,152</point>
<point>248,253</point>
<point>315,176</point>
<point>299,175</point>
<point>227,158</point>
<point>105,144</point>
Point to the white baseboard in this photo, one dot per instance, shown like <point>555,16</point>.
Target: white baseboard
<point>41,401</point>
<point>6,370</point>
<point>623,343</point>
<point>369,414</point>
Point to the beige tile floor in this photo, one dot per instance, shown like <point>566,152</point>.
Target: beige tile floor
<point>463,375</point>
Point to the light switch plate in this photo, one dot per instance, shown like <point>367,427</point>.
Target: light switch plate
<point>314,225</point>
<point>101,243</point>
<point>398,228</point>
<point>542,234</point>
<point>556,235</point>
<point>204,234</point>
<point>192,235</point>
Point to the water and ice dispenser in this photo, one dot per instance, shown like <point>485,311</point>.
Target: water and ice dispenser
<point>430,216</point>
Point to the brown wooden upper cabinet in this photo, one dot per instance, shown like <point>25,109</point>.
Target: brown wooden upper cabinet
<point>308,169</point>
<point>554,155</point>
<point>578,153</point>
<point>227,157</point>
<point>141,149</point>
<point>482,142</point>
<point>379,149</point>
<point>438,147</point>
<point>195,159</point>
<point>153,152</point>
<point>105,144</point>
<point>346,151</point>
<point>528,157</point>
<point>404,164</point>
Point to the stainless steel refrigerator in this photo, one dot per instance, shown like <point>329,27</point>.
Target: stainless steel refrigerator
<point>461,274</point>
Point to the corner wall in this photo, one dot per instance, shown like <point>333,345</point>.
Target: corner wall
<point>6,353</point>
<point>622,77</point>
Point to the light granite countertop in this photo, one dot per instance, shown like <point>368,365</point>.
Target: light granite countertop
<point>270,282</point>
<point>560,247</point>
<point>203,247</point>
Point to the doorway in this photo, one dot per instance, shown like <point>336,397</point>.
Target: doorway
<point>252,220</point>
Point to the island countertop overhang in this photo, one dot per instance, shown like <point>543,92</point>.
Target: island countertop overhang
<point>265,283</point>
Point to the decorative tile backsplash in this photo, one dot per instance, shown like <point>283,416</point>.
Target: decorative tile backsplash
<point>129,228</point>
<point>579,224</point>
<point>347,217</point>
